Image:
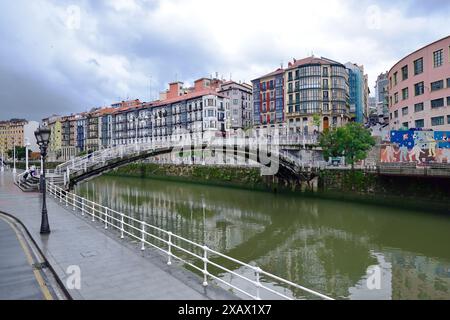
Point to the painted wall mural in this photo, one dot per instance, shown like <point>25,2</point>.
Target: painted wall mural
<point>421,147</point>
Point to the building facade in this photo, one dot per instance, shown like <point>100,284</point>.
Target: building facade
<point>240,113</point>
<point>419,89</point>
<point>382,98</point>
<point>317,93</point>
<point>18,132</point>
<point>268,102</point>
<point>358,92</point>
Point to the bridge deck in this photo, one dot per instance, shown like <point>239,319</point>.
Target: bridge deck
<point>110,268</point>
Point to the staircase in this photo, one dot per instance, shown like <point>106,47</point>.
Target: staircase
<point>29,185</point>
<point>32,184</point>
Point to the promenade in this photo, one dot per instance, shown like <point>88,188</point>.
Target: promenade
<point>110,268</point>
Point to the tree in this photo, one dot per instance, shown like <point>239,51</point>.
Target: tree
<point>316,121</point>
<point>352,141</point>
<point>20,153</point>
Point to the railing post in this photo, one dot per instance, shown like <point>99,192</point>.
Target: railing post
<point>258,283</point>
<point>93,211</point>
<point>60,195</point>
<point>65,179</point>
<point>106,218</point>
<point>82,206</point>
<point>121,226</point>
<point>169,262</point>
<point>143,236</point>
<point>205,266</point>
<point>74,201</point>
<point>54,191</point>
<point>67,198</point>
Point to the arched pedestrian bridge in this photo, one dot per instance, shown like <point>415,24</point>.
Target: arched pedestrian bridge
<point>272,157</point>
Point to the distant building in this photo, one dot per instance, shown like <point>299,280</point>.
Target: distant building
<point>419,89</point>
<point>17,132</point>
<point>268,102</point>
<point>358,92</point>
<point>240,114</point>
<point>382,98</point>
<point>316,87</point>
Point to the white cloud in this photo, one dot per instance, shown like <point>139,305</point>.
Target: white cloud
<point>118,45</point>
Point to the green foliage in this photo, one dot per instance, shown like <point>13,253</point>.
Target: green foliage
<point>352,141</point>
<point>20,153</point>
<point>316,120</point>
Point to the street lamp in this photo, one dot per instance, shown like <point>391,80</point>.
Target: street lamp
<point>27,145</point>
<point>42,137</point>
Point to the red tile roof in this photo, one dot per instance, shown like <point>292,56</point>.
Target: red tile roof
<point>274,73</point>
<point>190,95</point>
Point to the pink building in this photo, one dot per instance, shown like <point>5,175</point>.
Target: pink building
<point>419,89</point>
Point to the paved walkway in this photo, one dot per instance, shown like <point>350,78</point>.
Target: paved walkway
<point>17,278</point>
<point>110,268</point>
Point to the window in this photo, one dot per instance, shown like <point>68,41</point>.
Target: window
<point>395,78</point>
<point>437,103</point>
<point>418,107</point>
<point>448,101</point>
<point>235,102</point>
<point>405,93</point>
<point>405,73</point>
<point>396,114</point>
<point>405,125</point>
<point>448,119</point>
<point>404,111</point>
<point>325,71</point>
<point>438,85</point>
<point>420,123</point>
<point>396,97</point>
<point>418,66</point>
<point>448,82</point>
<point>290,76</point>
<point>437,58</point>
<point>437,121</point>
<point>418,89</point>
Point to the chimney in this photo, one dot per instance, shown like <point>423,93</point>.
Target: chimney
<point>174,89</point>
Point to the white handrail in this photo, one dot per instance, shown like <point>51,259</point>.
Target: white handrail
<point>144,232</point>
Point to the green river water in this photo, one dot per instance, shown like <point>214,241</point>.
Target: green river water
<point>328,246</point>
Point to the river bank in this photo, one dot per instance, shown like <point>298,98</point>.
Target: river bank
<point>431,194</point>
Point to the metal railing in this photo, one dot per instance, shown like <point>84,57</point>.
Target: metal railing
<point>174,246</point>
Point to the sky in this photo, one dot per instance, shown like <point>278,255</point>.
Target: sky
<point>62,57</point>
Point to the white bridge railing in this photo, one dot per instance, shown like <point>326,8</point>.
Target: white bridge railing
<point>174,246</point>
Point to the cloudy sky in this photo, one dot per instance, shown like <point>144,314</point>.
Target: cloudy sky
<point>61,56</point>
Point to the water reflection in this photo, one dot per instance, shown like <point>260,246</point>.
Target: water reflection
<point>324,245</point>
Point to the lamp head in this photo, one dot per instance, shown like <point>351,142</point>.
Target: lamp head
<point>42,136</point>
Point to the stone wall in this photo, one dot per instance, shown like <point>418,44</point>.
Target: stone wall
<point>408,192</point>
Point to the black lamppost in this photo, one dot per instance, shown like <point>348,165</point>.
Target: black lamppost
<point>42,137</point>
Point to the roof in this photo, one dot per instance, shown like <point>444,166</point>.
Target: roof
<point>273,73</point>
<point>190,95</point>
<point>311,60</point>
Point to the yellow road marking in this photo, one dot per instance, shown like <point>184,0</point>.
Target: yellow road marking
<point>30,260</point>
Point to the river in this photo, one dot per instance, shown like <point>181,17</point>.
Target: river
<point>343,249</point>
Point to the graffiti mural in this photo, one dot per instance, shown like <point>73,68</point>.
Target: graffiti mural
<point>421,147</point>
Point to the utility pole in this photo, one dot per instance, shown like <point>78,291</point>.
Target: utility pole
<point>14,148</point>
